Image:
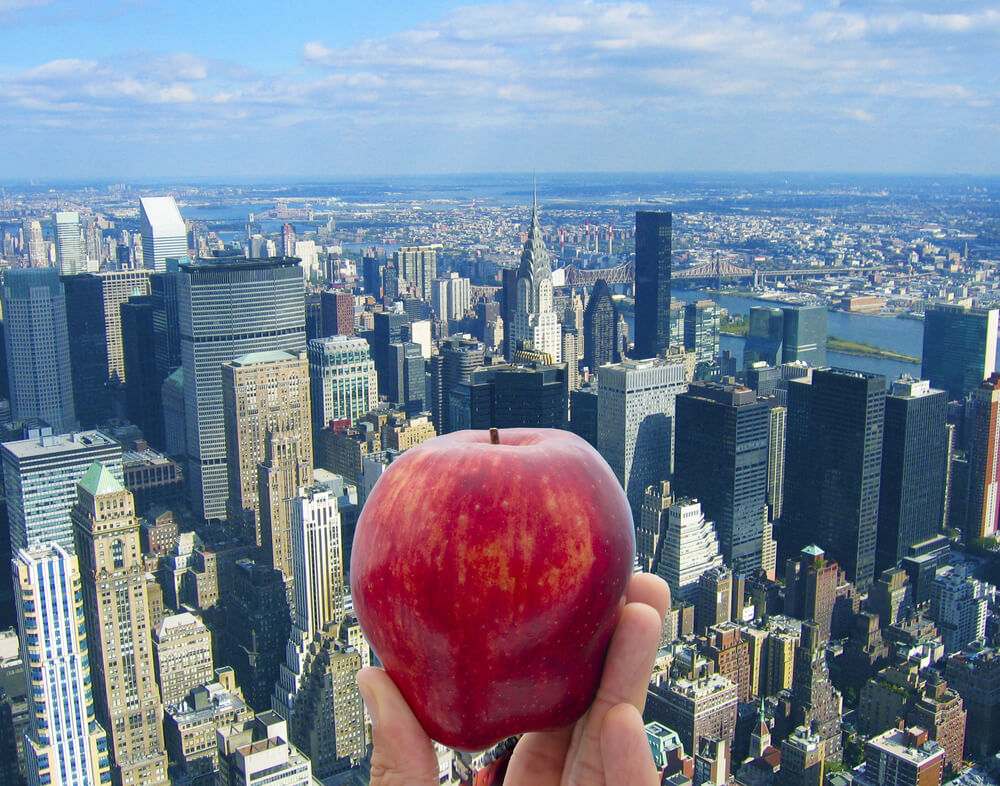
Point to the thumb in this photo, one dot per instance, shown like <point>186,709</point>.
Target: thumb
<point>402,752</point>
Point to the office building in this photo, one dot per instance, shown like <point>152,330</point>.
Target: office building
<point>535,324</point>
<point>88,348</point>
<point>143,401</point>
<point>721,459</point>
<point>182,655</point>
<point>914,457</point>
<point>417,266</point>
<point>40,476</point>
<point>959,607</point>
<point>834,430</point>
<point>816,704</point>
<point>652,525</point>
<point>71,257</point>
<point>257,751</point>
<point>390,327</point>
<point>337,313</point>
<point>695,709</point>
<point>976,678</point>
<point>777,423</point>
<point>903,757</point>
<point>652,283</point>
<point>600,328</point>
<point>941,711</point>
<point>406,384</point>
<point>166,319</point>
<point>116,288</point>
<point>635,422</point>
<point>37,252</point>
<point>265,399</point>
<point>264,312</point>
<point>511,396</point>
<point>811,583</point>
<point>64,743</point>
<point>960,347</point>
<point>163,232</point>
<point>714,598</point>
<point>701,330</point>
<point>689,549</point>
<point>458,356</point>
<point>765,336</point>
<point>763,379</point>
<point>36,338</point>
<point>106,532</point>
<point>982,428</point>
<point>450,297</point>
<point>804,335</point>
<point>342,379</point>
<point>288,240</point>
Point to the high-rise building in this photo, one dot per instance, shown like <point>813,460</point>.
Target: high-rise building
<point>143,399</point>
<point>265,397</point>
<point>689,549</point>
<point>459,355</point>
<point>286,468</point>
<point>714,599</point>
<point>116,288</point>
<point>65,744</point>
<point>288,240</point>
<point>390,328</point>
<point>811,588</point>
<point>816,704</point>
<point>40,476</point>
<point>941,711</point>
<point>407,378</point>
<point>701,330</point>
<point>36,338</point>
<point>960,347</point>
<point>417,266</point>
<point>182,655</point>
<point>982,428</point>
<point>88,348</point>
<point>337,313</point>
<point>959,607</point>
<point>536,325</point>
<point>106,532</point>
<point>258,751</point>
<point>342,379</point>
<point>600,328</point>
<point>653,232</point>
<point>163,232</point>
<point>695,709</point>
<point>777,422</point>
<point>914,456</point>
<point>802,759</point>
<point>264,312</point>
<point>70,252</point>
<point>635,401</point>
<point>450,297</point>
<point>833,468</point>
<point>804,335</point>
<point>976,678</point>
<point>721,459</point>
<point>37,256</point>
<point>764,337</point>
<point>903,757</point>
<point>166,320</point>
<point>511,396</point>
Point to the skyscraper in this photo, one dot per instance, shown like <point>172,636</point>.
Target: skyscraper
<point>689,549</point>
<point>40,476</point>
<point>407,384</point>
<point>182,655</point>
<point>459,356</point>
<point>960,347</point>
<point>804,335</point>
<point>511,396</point>
<point>265,397</point>
<point>65,744</point>
<point>342,379</point>
<point>652,282</point>
<point>536,325</point>
<point>70,255</point>
<point>265,311</point>
<point>106,532</point>
<point>600,328</point>
<point>36,244</point>
<point>88,348</point>
<point>143,399</point>
<point>163,232</point>
<point>833,468</point>
<point>635,403</point>
<point>116,288</point>
<point>983,439</point>
<point>37,342</point>
<point>914,453</point>
<point>417,266</point>
<point>701,329</point>
<point>765,336</point>
<point>338,313</point>
<point>721,459</point>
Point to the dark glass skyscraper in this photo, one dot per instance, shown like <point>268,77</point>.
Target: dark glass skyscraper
<point>833,468</point>
<point>600,328</point>
<point>804,335</point>
<point>721,459</point>
<point>960,348</point>
<point>914,452</point>
<point>765,336</point>
<point>143,400</point>
<point>653,231</point>
<point>508,396</point>
<point>88,348</point>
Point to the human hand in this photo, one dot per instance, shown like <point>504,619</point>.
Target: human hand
<point>605,747</point>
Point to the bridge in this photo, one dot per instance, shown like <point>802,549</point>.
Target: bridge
<point>579,277</point>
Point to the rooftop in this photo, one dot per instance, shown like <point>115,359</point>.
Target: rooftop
<point>163,215</point>
<point>268,356</point>
<point>98,480</point>
<point>54,444</point>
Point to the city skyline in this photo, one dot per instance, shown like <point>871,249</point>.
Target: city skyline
<point>129,90</point>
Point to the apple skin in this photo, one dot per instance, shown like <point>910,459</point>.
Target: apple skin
<point>488,579</point>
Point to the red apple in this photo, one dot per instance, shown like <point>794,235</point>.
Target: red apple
<point>488,578</point>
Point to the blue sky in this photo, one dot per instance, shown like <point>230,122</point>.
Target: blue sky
<point>118,89</point>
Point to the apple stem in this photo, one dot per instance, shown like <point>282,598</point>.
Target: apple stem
<point>494,436</point>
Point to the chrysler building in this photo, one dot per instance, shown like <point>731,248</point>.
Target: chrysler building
<point>536,325</point>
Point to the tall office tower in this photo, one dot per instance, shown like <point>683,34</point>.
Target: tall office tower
<point>305,251</point>
<point>536,325</point>
<point>777,422</point>
<point>600,328</point>
<point>721,459</point>
<point>762,378</point>
<point>764,336</point>
<point>391,282</point>
<point>285,469</point>
<point>407,378</point>
<point>714,600</point>
<point>182,656</point>
<point>143,399</point>
<point>652,282</point>
<point>833,468</point>
<point>701,330</point>
<point>815,702</point>
<point>257,751</point>
<point>342,379</point>
<point>70,256</point>
<point>689,548</point>
<point>811,588</point>
<point>983,439</point>
<point>88,348</point>
<point>804,335</point>
<point>695,709</point>
<point>372,275</point>
<point>265,397</point>
<point>390,328</point>
<point>508,396</point>
<point>106,532</point>
<point>959,607</point>
<point>40,476</point>
<point>163,232</point>
<point>264,312</point>
<point>635,414</point>
<point>459,356</point>
<point>288,240</point>
<point>508,302</point>
<point>337,310</point>
<point>652,526</point>
<point>960,347</point>
<point>37,342</point>
<point>166,320</point>
<point>65,744</point>
<point>450,297</point>
<point>37,256</point>
<point>914,457</point>
<point>417,266</point>
<point>116,288</point>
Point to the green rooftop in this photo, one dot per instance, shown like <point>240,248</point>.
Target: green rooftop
<point>270,356</point>
<point>98,480</point>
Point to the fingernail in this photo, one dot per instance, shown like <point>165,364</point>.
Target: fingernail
<point>369,698</point>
